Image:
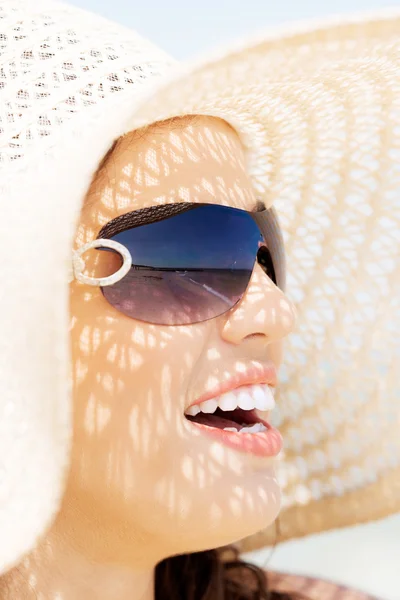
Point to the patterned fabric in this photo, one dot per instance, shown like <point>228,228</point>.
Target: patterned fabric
<point>314,589</point>
<point>318,111</point>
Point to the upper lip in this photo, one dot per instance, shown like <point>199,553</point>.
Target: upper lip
<point>265,373</point>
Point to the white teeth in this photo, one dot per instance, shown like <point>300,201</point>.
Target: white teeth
<point>256,428</point>
<point>259,396</point>
<point>209,406</point>
<point>245,401</point>
<point>263,397</point>
<point>193,410</point>
<point>227,401</point>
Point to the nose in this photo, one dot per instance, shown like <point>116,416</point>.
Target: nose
<point>264,310</point>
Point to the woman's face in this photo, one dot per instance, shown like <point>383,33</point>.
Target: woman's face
<point>141,471</point>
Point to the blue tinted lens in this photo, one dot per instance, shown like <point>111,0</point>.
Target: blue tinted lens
<point>187,268</point>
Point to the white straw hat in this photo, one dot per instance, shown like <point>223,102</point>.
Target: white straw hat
<point>317,108</point>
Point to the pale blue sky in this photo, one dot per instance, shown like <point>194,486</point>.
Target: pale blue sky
<point>186,27</point>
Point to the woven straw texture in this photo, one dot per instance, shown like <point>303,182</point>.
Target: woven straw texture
<point>318,111</point>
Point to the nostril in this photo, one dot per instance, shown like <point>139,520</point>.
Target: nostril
<point>254,336</point>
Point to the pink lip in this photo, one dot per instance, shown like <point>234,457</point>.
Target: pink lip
<point>267,443</point>
<point>253,376</point>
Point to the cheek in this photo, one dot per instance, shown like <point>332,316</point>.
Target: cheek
<point>129,385</point>
<point>276,353</point>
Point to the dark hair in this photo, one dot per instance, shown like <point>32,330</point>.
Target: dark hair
<point>208,576</point>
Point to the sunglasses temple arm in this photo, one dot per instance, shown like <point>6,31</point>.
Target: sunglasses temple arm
<point>273,237</point>
<point>77,264</point>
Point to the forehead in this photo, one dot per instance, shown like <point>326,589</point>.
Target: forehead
<point>193,159</point>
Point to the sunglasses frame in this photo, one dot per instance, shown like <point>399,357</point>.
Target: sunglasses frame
<point>78,264</point>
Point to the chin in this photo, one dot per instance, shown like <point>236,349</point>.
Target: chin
<point>215,539</point>
<point>253,515</point>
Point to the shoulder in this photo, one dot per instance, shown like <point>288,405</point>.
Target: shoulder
<point>314,589</point>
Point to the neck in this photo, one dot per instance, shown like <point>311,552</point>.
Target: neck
<point>73,577</point>
<point>77,562</point>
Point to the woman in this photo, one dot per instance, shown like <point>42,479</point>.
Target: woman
<point>162,355</point>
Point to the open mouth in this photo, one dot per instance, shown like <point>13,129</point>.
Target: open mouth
<point>232,420</point>
<point>236,410</point>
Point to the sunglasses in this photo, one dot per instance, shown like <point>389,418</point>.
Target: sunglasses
<point>185,263</point>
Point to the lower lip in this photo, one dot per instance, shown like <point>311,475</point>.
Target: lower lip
<point>267,443</point>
